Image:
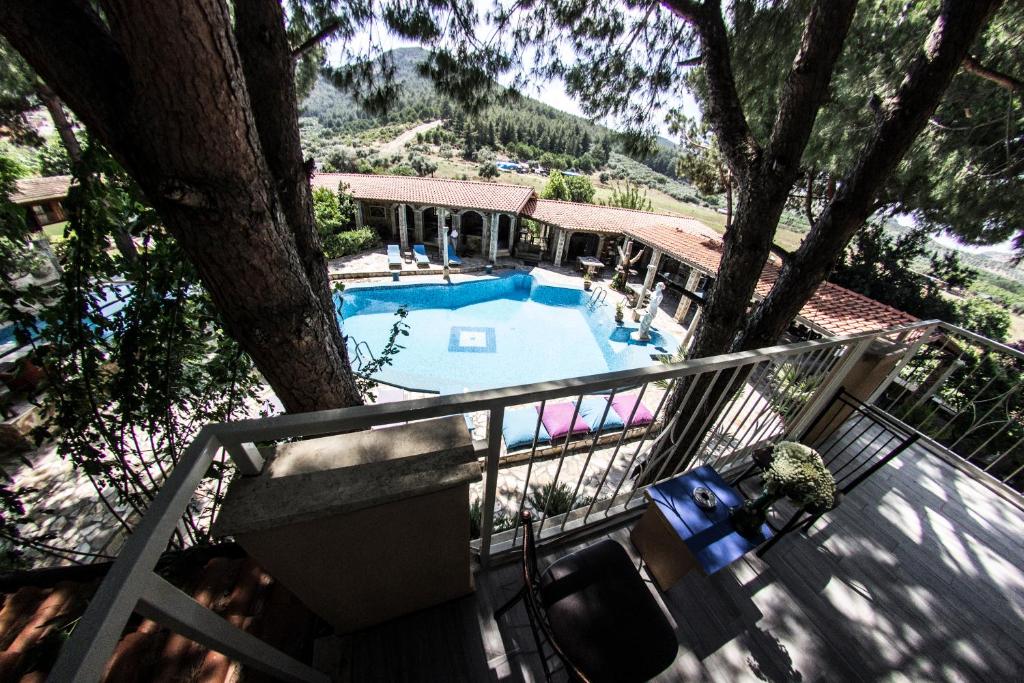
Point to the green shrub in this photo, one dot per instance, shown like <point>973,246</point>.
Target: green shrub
<point>502,520</point>
<point>557,500</point>
<point>349,242</point>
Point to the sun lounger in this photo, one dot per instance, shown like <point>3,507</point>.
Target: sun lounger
<point>419,252</point>
<point>556,420</point>
<point>453,258</point>
<point>593,409</point>
<point>623,405</point>
<point>519,426</point>
<point>394,257</point>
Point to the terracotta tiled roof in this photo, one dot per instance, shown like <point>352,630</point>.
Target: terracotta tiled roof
<point>33,190</point>
<point>608,219</point>
<point>468,194</point>
<point>38,605</point>
<point>698,249</point>
<point>833,309</point>
<point>836,310</point>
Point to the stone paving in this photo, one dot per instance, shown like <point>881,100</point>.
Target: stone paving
<point>65,505</point>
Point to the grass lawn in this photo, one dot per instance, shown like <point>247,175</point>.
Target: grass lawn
<point>55,231</point>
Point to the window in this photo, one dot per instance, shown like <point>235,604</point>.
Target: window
<point>376,212</point>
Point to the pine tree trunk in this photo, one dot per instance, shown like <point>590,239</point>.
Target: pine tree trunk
<point>725,324</point>
<point>162,86</point>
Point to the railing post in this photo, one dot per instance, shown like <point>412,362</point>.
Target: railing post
<point>84,656</point>
<point>495,420</point>
<point>246,456</point>
<point>829,386</point>
<point>165,604</point>
<point>908,356</point>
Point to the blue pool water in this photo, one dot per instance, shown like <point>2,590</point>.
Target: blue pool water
<point>111,300</point>
<point>493,333</point>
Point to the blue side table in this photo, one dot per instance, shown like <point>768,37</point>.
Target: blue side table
<point>674,536</point>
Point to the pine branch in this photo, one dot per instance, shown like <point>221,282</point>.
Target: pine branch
<point>724,109</point>
<point>1003,80</point>
<point>806,85</point>
<point>902,119</point>
<point>68,45</point>
<point>325,32</point>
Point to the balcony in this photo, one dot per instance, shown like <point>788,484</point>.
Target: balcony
<point>917,573</point>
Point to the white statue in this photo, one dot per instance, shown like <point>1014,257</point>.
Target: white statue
<point>643,334</point>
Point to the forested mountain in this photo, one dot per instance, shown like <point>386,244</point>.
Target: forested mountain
<point>525,128</point>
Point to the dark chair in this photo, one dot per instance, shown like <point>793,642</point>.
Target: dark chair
<point>855,440</point>
<point>595,612</point>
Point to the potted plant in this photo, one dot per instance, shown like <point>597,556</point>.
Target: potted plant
<point>586,281</point>
<point>618,313</point>
<point>796,472</point>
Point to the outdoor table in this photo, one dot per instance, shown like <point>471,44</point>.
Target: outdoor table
<point>590,263</point>
<point>674,536</point>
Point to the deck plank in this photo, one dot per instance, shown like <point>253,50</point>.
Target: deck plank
<point>918,575</point>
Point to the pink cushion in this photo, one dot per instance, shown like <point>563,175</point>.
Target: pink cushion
<point>556,419</point>
<point>623,405</point>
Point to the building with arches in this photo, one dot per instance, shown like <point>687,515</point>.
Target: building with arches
<point>498,219</point>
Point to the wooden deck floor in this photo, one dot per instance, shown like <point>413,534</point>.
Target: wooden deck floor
<point>919,575</point>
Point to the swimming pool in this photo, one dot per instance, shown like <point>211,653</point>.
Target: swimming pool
<point>492,333</point>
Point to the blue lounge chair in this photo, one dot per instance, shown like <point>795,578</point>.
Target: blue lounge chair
<point>394,257</point>
<point>453,258</point>
<point>420,252</point>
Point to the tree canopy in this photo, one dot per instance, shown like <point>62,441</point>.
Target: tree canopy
<point>964,171</point>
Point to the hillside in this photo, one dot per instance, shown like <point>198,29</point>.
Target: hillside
<point>524,127</point>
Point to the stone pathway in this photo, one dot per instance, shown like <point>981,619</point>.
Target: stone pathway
<point>64,503</point>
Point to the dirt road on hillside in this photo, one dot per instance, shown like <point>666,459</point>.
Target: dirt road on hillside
<point>398,144</point>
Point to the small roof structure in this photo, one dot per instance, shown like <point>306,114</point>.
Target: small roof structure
<point>466,194</point>
<point>832,310</point>
<point>35,190</point>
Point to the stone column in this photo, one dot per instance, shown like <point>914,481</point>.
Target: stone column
<point>600,247</point>
<point>492,245</point>
<point>359,215</point>
<point>403,228</point>
<point>513,232</point>
<point>441,230</point>
<point>692,280</point>
<point>485,235</point>
<point>559,245</point>
<point>652,271</point>
<point>418,223</point>
<point>684,347</point>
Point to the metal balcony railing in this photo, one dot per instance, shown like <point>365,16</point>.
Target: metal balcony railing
<point>576,484</point>
<point>965,394</point>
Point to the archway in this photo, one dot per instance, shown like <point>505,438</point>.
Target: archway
<point>430,225</point>
<point>471,233</point>
<point>504,232</point>
<point>581,244</point>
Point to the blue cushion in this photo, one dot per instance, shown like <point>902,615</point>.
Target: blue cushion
<point>519,427</point>
<point>591,411</point>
